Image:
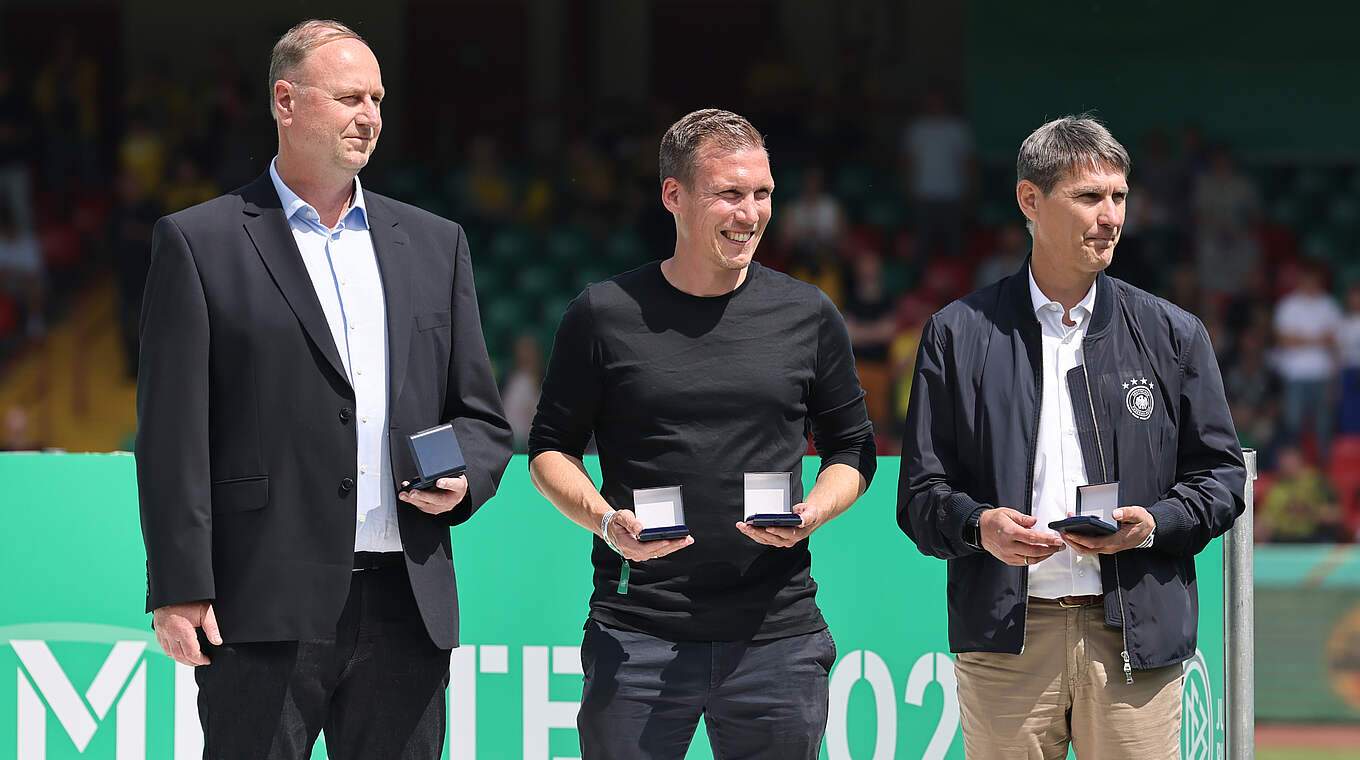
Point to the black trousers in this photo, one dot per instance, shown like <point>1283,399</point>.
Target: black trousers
<point>643,696</point>
<point>376,687</point>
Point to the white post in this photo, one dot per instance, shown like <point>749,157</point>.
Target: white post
<point>1239,638</point>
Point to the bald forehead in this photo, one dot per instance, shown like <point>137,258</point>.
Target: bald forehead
<point>343,53</point>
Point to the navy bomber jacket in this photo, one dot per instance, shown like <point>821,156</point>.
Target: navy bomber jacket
<point>1164,427</point>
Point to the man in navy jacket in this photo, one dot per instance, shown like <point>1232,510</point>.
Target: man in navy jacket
<point>1056,377</point>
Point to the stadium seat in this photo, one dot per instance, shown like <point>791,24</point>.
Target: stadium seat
<point>9,315</point>
<point>512,246</point>
<point>1343,470</point>
<point>61,247</point>
<point>568,247</point>
<point>534,281</point>
<point>624,250</point>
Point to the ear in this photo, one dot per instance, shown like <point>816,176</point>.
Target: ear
<point>1027,196</point>
<point>283,101</point>
<point>671,189</point>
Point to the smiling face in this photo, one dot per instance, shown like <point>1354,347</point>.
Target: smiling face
<point>722,215</point>
<point>328,113</point>
<point>1077,224</point>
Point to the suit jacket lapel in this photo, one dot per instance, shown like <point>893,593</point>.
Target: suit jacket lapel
<point>273,239</point>
<point>394,263</point>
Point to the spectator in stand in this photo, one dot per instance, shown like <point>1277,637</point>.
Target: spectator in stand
<point>16,116</point>
<point>1348,351</point>
<point>522,387</point>
<point>814,220</point>
<point>22,271</point>
<point>188,187</point>
<point>129,236</point>
<point>1306,322</point>
<point>870,316</point>
<point>1162,205</point>
<point>65,96</point>
<point>1253,390</point>
<point>1300,506</point>
<point>1012,246</point>
<point>489,195</point>
<point>142,151</point>
<point>18,431</point>
<point>937,155</point>
<point>1226,208</point>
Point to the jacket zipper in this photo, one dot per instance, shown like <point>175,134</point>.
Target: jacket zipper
<point>1105,478</point>
<point>1029,480</point>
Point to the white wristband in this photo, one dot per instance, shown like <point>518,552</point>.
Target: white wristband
<point>604,530</point>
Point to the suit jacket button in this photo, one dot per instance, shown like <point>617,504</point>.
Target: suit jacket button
<point>347,485</point>
<point>346,415</point>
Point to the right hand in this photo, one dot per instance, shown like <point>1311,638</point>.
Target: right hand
<point>624,530</point>
<point>177,630</point>
<point>1009,536</point>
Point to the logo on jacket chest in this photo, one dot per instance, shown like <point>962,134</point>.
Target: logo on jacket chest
<point>1138,397</point>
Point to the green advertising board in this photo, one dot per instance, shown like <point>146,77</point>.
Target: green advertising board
<point>81,675</point>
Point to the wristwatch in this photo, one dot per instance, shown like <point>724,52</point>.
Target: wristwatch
<point>972,532</point>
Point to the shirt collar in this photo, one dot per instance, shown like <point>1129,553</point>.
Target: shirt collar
<point>356,218</point>
<point>1084,308</point>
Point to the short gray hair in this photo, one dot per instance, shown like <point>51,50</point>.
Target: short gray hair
<point>1052,151</point>
<point>297,43</point>
<point>700,130</point>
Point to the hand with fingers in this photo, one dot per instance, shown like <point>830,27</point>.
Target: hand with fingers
<point>624,528</point>
<point>1135,525</point>
<point>1010,537</point>
<point>447,494</point>
<point>785,537</point>
<point>177,627</point>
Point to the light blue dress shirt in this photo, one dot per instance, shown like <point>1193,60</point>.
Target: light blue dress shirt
<point>344,271</point>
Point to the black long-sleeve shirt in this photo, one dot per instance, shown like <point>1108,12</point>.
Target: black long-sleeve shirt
<point>696,391</point>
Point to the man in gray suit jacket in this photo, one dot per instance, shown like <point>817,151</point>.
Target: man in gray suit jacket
<point>293,333</point>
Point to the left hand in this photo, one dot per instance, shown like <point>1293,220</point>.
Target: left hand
<point>785,537</point>
<point>447,494</point>
<point>1135,525</point>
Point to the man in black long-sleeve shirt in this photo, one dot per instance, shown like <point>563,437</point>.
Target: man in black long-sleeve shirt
<point>692,372</point>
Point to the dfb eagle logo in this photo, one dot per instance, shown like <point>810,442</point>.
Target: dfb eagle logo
<point>1139,398</point>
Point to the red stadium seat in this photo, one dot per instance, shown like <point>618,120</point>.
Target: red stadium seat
<point>9,315</point>
<point>1343,470</point>
<point>60,247</point>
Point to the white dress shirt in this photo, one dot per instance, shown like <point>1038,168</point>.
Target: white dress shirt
<point>344,272</point>
<point>1058,466</point>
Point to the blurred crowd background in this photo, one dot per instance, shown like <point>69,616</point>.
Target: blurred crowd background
<point>892,129</point>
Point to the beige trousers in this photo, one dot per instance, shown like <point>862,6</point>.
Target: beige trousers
<point>1067,686</point>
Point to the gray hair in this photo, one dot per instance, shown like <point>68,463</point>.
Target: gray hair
<point>1052,151</point>
<point>708,128</point>
<point>297,43</point>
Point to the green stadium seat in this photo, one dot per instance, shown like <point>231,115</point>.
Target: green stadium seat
<point>1286,210</point>
<point>854,183</point>
<point>1312,182</point>
<point>534,281</point>
<point>886,210</point>
<point>624,250</point>
<point>513,246</point>
<point>569,247</point>
<point>1344,213</point>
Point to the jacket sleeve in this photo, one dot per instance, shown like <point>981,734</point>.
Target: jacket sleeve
<point>1210,476</point>
<point>931,505</point>
<point>173,470</point>
<point>472,402</point>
